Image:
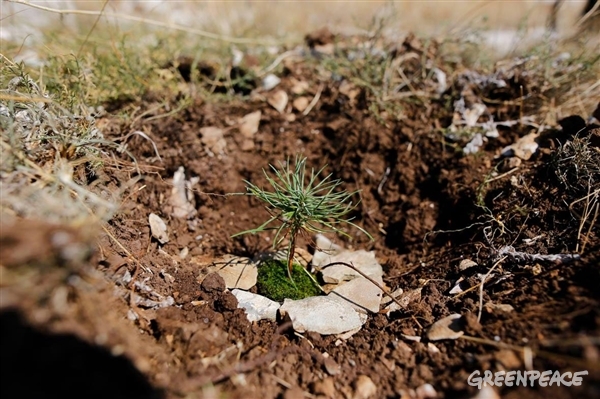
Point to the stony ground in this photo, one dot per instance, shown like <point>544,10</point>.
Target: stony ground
<point>86,312</point>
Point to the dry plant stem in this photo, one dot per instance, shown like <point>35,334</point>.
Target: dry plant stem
<point>481,287</point>
<point>133,18</point>
<point>591,203</point>
<point>588,15</point>
<point>314,101</point>
<point>291,251</point>
<point>509,251</point>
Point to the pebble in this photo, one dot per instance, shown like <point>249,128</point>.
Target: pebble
<point>324,387</point>
<point>364,388</point>
<point>446,328</point>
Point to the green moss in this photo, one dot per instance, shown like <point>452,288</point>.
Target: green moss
<point>274,283</point>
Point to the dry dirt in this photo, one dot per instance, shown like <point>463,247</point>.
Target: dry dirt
<point>71,327</point>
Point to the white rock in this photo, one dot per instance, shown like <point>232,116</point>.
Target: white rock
<point>182,197</point>
<point>362,260</point>
<point>325,250</point>
<point>237,271</point>
<point>361,293</point>
<point>270,81</point>
<point>158,228</point>
<point>322,315</point>
<point>523,148</point>
<point>474,145</point>
<point>257,307</point>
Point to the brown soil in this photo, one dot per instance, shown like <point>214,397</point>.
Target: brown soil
<point>77,329</point>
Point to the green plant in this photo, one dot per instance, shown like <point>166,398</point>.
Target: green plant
<point>300,204</point>
<point>272,282</point>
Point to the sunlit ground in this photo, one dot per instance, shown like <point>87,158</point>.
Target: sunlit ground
<point>285,19</point>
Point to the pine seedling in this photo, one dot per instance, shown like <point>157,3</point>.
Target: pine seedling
<point>301,204</point>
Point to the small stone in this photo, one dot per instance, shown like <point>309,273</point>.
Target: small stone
<point>158,228</point>
<point>278,100</point>
<point>257,307</point>
<point>331,366</point>
<point>237,271</point>
<point>324,387</point>
<point>465,264</point>
<point>300,104</point>
<point>299,87</point>
<point>247,145</point>
<point>212,138</point>
<point>426,391</point>
<point>270,81</point>
<point>523,148</point>
<point>432,349</point>
<point>249,124</point>
<point>364,388</point>
<point>322,315</point>
<point>447,328</point>
<point>457,289</point>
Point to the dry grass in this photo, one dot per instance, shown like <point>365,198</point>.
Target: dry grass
<point>48,152</point>
<point>75,63</point>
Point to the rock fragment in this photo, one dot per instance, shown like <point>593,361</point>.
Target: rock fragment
<point>237,271</point>
<point>257,307</point>
<point>322,315</point>
<point>364,388</point>
<point>158,228</point>
<point>278,100</point>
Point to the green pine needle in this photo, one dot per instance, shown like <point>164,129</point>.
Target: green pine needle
<point>299,204</point>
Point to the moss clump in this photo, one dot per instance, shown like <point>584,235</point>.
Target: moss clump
<point>274,283</point>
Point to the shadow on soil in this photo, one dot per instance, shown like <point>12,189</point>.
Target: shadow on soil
<point>40,365</point>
